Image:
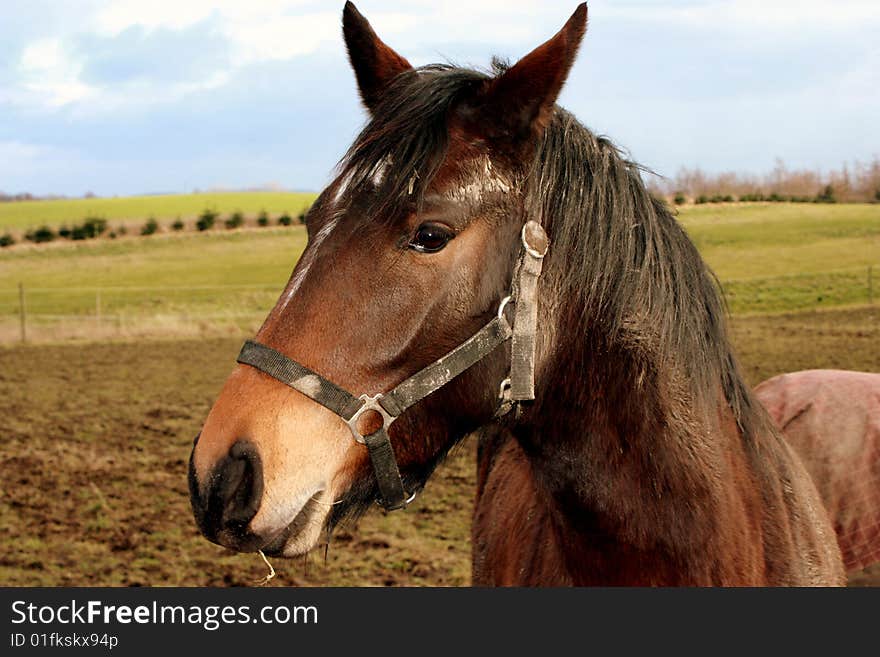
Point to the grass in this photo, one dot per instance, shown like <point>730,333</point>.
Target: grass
<point>89,434</point>
<point>28,214</point>
<point>761,240</point>
<point>155,275</point>
<point>96,441</point>
<point>780,257</point>
<point>771,258</point>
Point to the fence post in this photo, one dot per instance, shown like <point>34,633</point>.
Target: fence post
<point>22,311</point>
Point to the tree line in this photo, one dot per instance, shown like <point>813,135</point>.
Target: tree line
<point>94,227</point>
<point>858,182</point>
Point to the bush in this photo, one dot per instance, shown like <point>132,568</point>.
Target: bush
<point>112,234</point>
<point>235,220</point>
<point>775,197</point>
<point>728,198</point>
<point>206,219</point>
<point>6,240</point>
<point>716,199</point>
<point>263,218</point>
<point>827,195</point>
<point>178,225</point>
<point>301,217</point>
<point>39,235</point>
<point>150,227</point>
<point>93,226</point>
<point>877,195</point>
<point>702,198</point>
<point>78,233</point>
<point>64,232</point>
<point>122,230</point>
<point>284,220</point>
<point>680,198</point>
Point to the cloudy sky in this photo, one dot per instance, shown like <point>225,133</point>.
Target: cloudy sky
<point>130,96</point>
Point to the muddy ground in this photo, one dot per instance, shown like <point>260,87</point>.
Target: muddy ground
<point>94,442</point>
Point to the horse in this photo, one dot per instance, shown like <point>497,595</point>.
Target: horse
<point>832,420</point>
<point>481,259</point>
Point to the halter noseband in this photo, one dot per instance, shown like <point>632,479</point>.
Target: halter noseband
<point>520,386</point>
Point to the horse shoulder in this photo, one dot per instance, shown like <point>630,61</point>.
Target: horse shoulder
<point>513,541</point>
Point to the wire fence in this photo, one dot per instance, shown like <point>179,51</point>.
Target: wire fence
<point>58,313</point>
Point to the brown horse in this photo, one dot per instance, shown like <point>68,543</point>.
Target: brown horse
<point>832,420</point>
<point>629,451</point>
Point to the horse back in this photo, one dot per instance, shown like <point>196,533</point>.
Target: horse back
<point>831,418</point>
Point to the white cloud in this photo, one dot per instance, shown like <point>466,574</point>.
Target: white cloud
<point>119,15</point>
<point>782,17</point>
<point>19,152</point>
<point>52,74</point>
<point>277,30</point>
<point>264,30</point>
<point>42,55</point>
<point>283,37</point>
<point>256,31</point>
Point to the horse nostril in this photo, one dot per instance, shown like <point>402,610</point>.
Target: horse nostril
<point>233,492</point>
<point>241,484</point>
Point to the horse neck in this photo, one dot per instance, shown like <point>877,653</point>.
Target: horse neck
<point>622,463</point>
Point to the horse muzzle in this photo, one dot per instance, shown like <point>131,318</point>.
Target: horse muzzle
<point>229,498</point>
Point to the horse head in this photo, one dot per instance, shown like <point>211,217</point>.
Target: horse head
<point>411,249</point>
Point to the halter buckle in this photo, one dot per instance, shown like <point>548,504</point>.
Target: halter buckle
<point>371,403</point>
<point>534,239</point>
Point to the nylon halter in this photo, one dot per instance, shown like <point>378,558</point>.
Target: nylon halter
<point>520,386</point>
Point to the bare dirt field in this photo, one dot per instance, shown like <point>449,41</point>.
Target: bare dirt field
<point>94,442</point>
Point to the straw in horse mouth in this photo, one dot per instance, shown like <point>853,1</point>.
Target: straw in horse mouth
<point>275,546</point>
<point>270,575</point>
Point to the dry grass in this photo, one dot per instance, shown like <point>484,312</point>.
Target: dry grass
<point>96,437</point>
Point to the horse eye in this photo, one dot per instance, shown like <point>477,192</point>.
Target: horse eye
<point>430,238</point>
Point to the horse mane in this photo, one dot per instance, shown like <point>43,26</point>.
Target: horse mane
<point>621,256</point>
<point>630,267</point>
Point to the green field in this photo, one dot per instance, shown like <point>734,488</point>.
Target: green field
<point>770,258</point>
<point>743,241</point>
<point>779,257</point>
<point>97,435</point>
<point>29,214</point>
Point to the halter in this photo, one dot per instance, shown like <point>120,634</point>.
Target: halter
<point>519,386</point>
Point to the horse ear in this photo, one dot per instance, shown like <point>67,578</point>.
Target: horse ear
<point>519,102</point>
<point>374,63</point>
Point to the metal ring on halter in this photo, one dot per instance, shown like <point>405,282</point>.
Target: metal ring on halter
<point>505,385</point>
<point>506,300</point>
<point>405,504</point>
<point>371,403</point>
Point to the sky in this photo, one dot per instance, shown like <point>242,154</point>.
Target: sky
<point>118,97</point>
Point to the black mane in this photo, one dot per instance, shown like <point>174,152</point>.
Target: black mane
<point>629,266</point>
<point>617,254</point>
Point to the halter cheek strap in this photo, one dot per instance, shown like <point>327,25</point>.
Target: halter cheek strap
<point>390,405</point>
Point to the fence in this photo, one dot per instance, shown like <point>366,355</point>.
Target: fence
<point>59,313</point>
